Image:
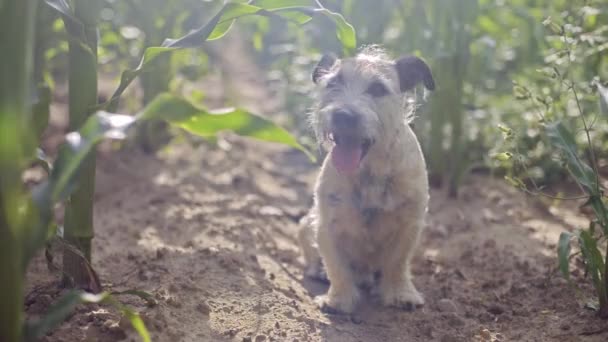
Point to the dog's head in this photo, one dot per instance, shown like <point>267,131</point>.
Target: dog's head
<point>361,102</point>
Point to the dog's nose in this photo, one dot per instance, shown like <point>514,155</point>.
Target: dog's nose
<point>344,119</point>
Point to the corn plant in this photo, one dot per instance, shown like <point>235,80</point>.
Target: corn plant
<point>559,115</point>
<point>17,39</point>
<point>26,214</point>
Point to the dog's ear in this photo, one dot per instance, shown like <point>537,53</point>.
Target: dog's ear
<point>324,66</point>
<point>413,70</point>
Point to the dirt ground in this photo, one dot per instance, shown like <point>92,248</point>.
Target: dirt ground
<point>209,231</point>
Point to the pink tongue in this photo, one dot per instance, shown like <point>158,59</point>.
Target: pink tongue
<point>346,158</point>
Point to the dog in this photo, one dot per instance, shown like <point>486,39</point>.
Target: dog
<point>371,195</point>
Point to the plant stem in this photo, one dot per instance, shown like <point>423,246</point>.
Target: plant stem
<point>82,98</point>
<point>16,38</point>
<point>604,305</point>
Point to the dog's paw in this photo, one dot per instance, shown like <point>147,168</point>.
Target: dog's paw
<point>335,305</point>
<point>405,300</point>
<point>317,272</point>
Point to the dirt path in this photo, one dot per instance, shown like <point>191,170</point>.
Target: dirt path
<point>210,232</point>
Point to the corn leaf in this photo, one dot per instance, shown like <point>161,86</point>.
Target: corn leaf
<point>345,31</point>
<point>593,260</point>
<point>62,309</point>
<point>563,254</point>
<point>137,323</point>
<point>72,24</point>
<point>204,123</point>
<point>58,312</point>
<point>561,137</point>
<point>40,110</point>
<point>79,144</point>
<point>221,23</point>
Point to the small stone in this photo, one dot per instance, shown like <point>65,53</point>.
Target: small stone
<point>230,332</point>
<point>277,325</point>
<point>270,211</point>
<point>203,308</point>
<point>485,334</point>
<point>495,309</point>
<point>174,302</point>
<point>454,320</point>
<point>260,338</point>
<point>247,339</point>
<point>446,305</point>
<point>565,326</point>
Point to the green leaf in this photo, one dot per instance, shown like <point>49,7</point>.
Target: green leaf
<point>503,156</point>
<point>221,23</point>
<point>562,138</point>
<point>593,260</point>
<point>563,254</point>
<point>40,109</point>
<point>58,312</point>
<point>79,144</point>
<point>72,24</point>
<point>204,123</point>
<point>599,208</point>
<point>149,298</point>
<point>345,31</point>
<point>62,309</point>
<point>137,324</point>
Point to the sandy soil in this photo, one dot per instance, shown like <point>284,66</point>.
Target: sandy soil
<point>210,232</point>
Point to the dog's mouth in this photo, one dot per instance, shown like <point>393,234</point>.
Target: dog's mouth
<point>348,152</point>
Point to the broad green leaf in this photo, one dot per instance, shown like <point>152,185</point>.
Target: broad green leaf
<point>563,254</point>
<point>137,323</point>
<point>562,138</point>
<point>204,123</point>
<point>221,23</point>
<point>593,260</point>
<point>599,208</point>
<point>345,31</point>
<point>79,144</point>
<point>72,24</point>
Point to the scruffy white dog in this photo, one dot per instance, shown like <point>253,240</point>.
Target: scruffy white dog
<point>371,195</point>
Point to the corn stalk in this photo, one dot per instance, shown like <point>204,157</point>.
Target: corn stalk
<point>16,39</point>
<point>82,99</point>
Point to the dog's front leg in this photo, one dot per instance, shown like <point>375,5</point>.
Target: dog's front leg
<point>396,286</point>
<point>343,293</point>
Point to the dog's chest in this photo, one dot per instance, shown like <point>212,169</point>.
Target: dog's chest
<point>362,210</point>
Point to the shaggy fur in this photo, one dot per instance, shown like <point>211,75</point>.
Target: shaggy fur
<point>364,225</point>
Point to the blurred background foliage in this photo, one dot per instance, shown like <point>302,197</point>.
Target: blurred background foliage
<point>478,50</point>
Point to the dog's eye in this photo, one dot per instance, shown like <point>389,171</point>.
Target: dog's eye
<point>377,89</point>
